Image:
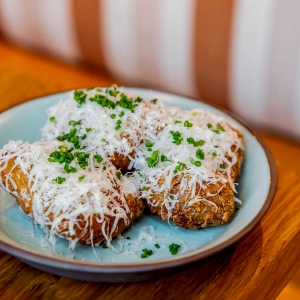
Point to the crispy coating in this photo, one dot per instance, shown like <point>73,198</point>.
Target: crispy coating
<point>85,229</point>
<point>213,206</point>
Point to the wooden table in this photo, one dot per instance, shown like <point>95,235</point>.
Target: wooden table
<point>257,267</point>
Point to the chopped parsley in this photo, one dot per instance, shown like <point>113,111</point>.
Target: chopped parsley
<point>223,167</point>
<point>200,154</point>
<point>187,124</point>
<point>197,163</point>
<point>146,253</point>
<point>69,169</point>
<point>128,238</point>
<point>138,99</point>
<point>191,140</point>
<point>177,122</point>
<point>113,116</point>
<point>219,129</point>
<point>81,178</point>
<point>156,246</point>
<point>71,137</point>
<point>88,129</point>
<point>98,158</point>
<point>149,144</point>
<point>64,155</point>
<point>103,140</point>
<point>153,101</point>
<point>173,248</point>
<point>52,119</point>
<point>163,158</point>
<point>119,174</point>
<point>209,125</point>
<point>179,168</point>
<point>74,123</point>
<point>153,160</point>
<point>177,137</point>
<point>144,188</point>
<point>59,180</point>
<point>214,154</point>
<point>121,114</point>
<point>79,97</point>
<point>82,158</point>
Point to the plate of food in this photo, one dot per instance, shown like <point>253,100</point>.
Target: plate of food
<point>126,184</point>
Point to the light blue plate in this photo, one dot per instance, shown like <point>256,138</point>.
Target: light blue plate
<point>21,238</point>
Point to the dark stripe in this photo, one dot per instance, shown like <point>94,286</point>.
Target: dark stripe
<point>212,37</point>
<point>88,31</point>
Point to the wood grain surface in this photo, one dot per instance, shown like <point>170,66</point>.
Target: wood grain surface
<point>257,267</point>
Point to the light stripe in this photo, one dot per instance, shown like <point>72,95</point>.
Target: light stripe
<point>175,46</point>
<point>19,22</point>
<point>45,25</point>
<point>118,39</point>
<point>212,47</point>
<point>57,27</point>
<point>250,58</point>
<point>88,27</point>
<point>296,112</point>
<point>146,19</point>
<point>283,78</point>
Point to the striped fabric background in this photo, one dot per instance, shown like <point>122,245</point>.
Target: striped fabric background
<point>241,54</point>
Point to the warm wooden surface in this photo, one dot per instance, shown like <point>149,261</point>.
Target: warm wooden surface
<point>257,267</point>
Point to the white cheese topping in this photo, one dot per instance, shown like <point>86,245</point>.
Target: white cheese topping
<point>87,192</point>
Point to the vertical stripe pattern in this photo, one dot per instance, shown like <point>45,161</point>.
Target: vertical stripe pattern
<point>283,77</point>
<point>45,25</point>
<point>250,58</point>
<point>244,55</point>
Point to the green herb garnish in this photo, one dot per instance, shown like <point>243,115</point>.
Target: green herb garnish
<point>52,119</point>
<point>146,253</point>
<point>121,114</point>
<point>79,97</point>
<point>173,248</point>
<point>187,124</point>
<point>58,180</point>
<point>81,178</point>
<point>153,160</point>
<point>200,154</point>
<point>98,158</point>
<point>149,144</point>
<point>177,137</point>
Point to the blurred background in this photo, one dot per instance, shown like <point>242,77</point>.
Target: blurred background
<point>243,55</point>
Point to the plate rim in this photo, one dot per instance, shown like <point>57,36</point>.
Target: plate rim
<point>35,256</point>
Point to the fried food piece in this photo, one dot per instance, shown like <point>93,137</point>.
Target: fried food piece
<point>191,170</point>
<point>214,204</point>
<point>84,219</point>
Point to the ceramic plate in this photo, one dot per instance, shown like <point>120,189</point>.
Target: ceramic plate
<point>20,238</point>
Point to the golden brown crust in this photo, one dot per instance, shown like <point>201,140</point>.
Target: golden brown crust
<point>85,229</point>
<point>213,206</point>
